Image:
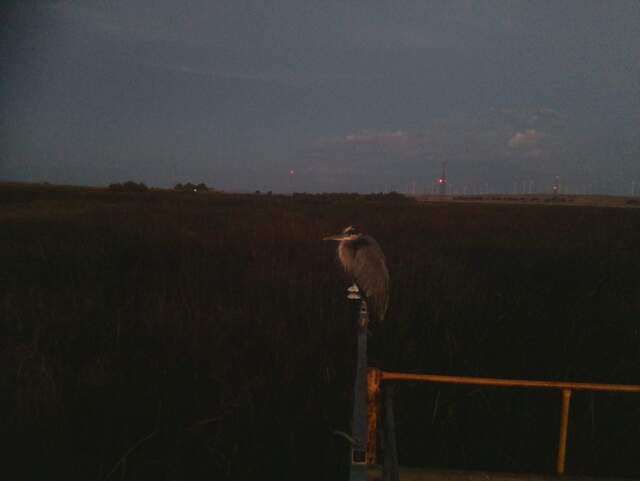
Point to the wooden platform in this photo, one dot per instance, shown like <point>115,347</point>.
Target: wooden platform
<point>422,474</point>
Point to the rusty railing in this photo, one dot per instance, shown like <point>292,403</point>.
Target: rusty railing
<point>376,376</point>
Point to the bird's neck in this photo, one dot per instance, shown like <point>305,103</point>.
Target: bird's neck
<point>346,253</point>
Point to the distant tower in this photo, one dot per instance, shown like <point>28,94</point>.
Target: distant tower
<point>442,181</point>
<point>556,185</point>
<point>291,174</point>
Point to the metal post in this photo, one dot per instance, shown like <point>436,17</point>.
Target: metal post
<point>359,433</point>
<point>564,422</point>
<point>373,385</point>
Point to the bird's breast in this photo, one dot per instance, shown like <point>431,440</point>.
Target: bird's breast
<point>346,254</point>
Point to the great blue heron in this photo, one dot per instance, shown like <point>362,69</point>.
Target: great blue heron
<point>362,258</point>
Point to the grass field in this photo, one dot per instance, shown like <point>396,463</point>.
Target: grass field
<point>166,335</point>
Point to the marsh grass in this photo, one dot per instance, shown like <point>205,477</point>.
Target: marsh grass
<point>165,335</point>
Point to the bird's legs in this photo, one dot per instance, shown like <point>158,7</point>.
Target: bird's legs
<point>354,292</point>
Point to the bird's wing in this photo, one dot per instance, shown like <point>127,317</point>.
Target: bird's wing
<point>370,273</point>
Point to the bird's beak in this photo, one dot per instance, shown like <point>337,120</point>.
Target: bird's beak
<point>337,237</point>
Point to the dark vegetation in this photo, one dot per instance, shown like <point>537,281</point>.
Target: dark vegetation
<point>515,198</point>
<point>189,187</point>
<point>129,186</point>
<point>164,336</point>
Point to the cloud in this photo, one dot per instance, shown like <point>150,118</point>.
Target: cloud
<point>377,137</point>
<point>497,145</point>
<point>461,137</point>
<point>286,77</point>
<point>530,138</point>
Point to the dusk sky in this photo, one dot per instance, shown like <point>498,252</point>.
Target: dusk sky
<point>350,95</point>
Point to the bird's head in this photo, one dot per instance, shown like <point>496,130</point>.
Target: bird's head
<point>348,234</point>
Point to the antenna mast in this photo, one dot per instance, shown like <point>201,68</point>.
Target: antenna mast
<point>442,181</point>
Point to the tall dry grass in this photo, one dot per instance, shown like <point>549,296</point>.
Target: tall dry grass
<point>166,335</point>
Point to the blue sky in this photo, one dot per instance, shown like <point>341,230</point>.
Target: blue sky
<point>351,95</point>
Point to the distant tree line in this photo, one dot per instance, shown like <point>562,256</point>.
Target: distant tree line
<point>128,186</point>
<point>331,196</point>
<point>189,187</point>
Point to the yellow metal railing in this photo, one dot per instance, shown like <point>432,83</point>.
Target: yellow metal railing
<point>377,376</point>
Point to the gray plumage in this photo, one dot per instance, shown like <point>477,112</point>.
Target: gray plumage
<point>364,261</point>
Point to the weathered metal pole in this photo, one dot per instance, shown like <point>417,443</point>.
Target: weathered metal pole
<point>564,423</point>
<point>373,387</point>
<point>360,400</point>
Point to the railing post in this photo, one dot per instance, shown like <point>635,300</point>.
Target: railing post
<point>564,422</point>
<point>373,405</point>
